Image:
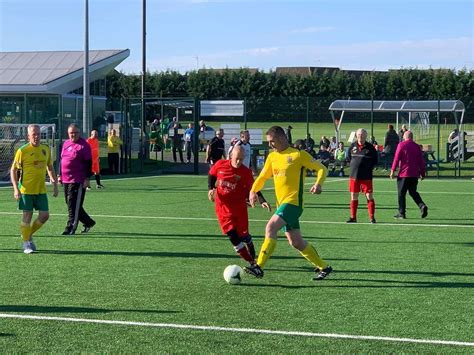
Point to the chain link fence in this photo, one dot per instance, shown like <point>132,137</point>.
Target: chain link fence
<point>144,151</point>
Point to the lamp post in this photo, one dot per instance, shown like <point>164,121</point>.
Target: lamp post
<point>85,90</point>
<point>143,149</point>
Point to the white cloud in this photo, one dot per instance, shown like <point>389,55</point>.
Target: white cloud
<point>381,55</point>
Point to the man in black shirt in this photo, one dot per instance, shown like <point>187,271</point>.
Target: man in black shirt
<point>390,146</point>
<point>177,141</point>
<point>216,148</point>
<point>363,158</point>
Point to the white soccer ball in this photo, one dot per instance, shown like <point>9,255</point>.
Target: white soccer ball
<point>233,274</point>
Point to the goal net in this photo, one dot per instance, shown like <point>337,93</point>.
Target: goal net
<point>13,136</point>
<point>421,124</point>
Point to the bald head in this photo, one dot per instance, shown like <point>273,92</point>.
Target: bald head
<point>237,156</point>
<point>408,135</point>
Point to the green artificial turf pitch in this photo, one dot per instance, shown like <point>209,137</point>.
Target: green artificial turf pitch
<point>156,256</point>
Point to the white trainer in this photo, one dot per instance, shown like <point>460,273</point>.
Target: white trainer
<point>27,249</point>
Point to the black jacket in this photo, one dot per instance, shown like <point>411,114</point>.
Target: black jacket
<point>363,161</point>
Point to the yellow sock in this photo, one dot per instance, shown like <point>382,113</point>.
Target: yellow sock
<point>310,254</point>
<point>35,226</point>
<point>266,251</point>
<point>25,230</point>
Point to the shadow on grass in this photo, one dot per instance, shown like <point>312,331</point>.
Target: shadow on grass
<point>290,287</point>
<point>163,190</point>
<point>383,272</point>
<point>7,335</point>
<point>335,282</point>
<point>138,235</point>
<point>401,284</point>
<point>64,309</point>
<point>164,254</point>
<point>338,206</point>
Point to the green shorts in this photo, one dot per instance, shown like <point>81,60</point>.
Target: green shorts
<point>290,214</point>
<point>38,202</point>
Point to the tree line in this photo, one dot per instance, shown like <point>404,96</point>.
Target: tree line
<point>263,90</point>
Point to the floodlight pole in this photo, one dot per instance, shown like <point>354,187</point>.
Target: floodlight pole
<point>143,81</point>
<point>85,90</point>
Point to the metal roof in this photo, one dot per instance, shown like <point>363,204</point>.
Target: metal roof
<point>397,106</point>
<point>54,71</point>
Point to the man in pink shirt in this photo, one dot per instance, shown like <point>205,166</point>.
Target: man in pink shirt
<point>76,168</point>
<point>411,162</point>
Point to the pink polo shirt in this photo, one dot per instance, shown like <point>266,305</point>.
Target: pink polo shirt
<point>409,158</point>
<point>76,161</point>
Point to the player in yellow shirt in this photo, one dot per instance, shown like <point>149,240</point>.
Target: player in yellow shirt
<point>32,160</point>
<point>288,167</point>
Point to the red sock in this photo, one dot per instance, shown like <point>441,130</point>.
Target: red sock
<point>371,208</point>
<point>244,253</point>
<point>354,204</point>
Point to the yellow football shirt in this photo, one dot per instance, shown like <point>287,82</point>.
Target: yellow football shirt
<point>113,144</point>
<point>32,161</point>
<point>288,169</point>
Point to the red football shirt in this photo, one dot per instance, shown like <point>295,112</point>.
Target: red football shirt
<point>233,184</point>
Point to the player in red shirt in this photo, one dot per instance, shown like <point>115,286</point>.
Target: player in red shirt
<point>229,186</point>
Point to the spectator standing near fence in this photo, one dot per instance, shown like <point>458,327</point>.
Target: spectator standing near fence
<point>202,131</point>
<point>164,122</point>
<point>188,141</point>
<point>113,149</point>
<point>177,142</point>
<point>411,162</point>
<point>402,132</point>
<point>363,159</point>
<point>93,142</point>
<point>76,168</point>
<point>215,151</point>
<point>32,160</point>
<point>390,145</point>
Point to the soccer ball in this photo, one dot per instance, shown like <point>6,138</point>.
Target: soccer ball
<point>233,274</point>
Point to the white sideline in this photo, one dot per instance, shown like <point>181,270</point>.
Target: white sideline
<point>240,330</point>
<point>262,220</point>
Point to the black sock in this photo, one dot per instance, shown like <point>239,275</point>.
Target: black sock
<point>250,248</point>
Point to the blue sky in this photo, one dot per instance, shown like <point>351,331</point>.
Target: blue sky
<point>184,35</point>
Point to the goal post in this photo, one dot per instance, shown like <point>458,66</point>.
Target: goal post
<point>14,135</point>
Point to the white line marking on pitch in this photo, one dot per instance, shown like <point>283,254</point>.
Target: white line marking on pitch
<point>262,220</point>
<point>240,330</point>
